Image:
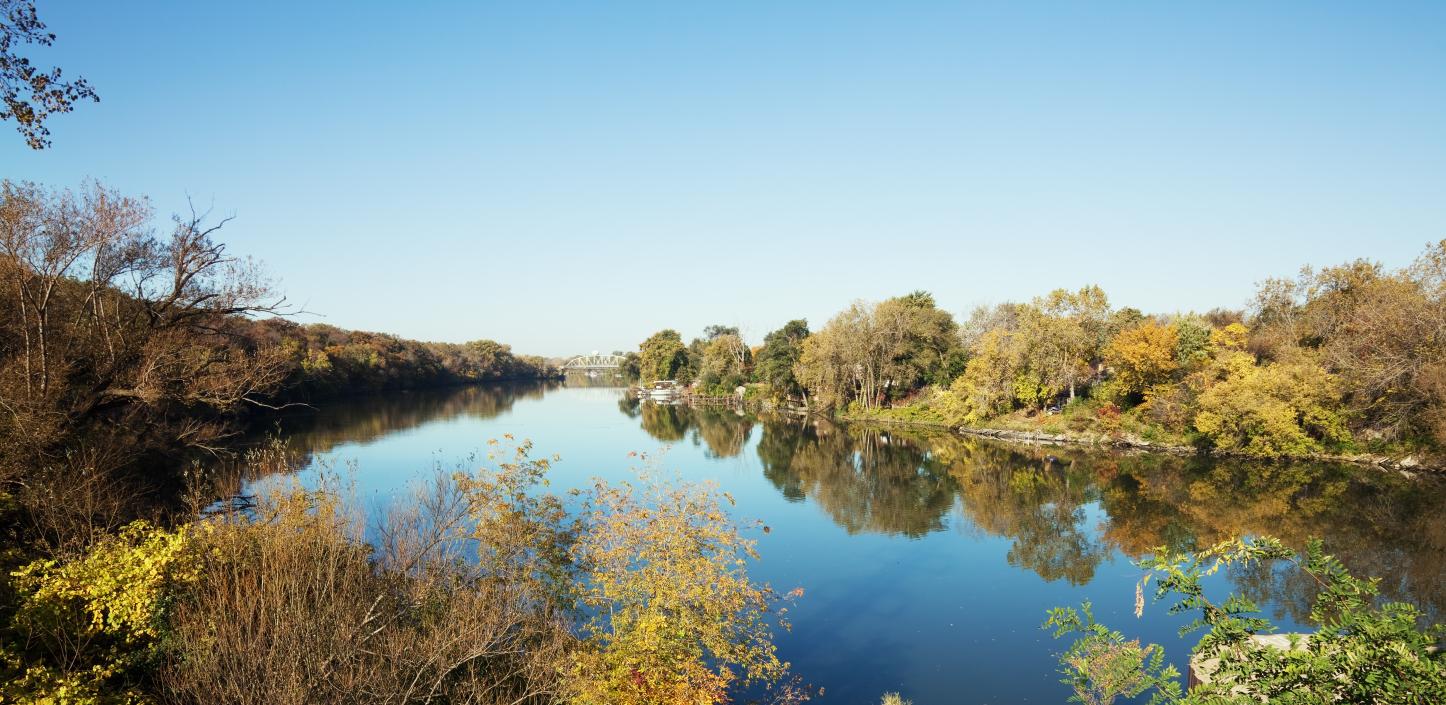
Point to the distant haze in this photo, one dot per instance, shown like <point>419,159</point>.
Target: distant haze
<point>571,178</point>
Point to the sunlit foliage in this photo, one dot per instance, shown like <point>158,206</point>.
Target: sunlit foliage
<point>662,356</point>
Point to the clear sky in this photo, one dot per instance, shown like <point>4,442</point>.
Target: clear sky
<point>573,176</point>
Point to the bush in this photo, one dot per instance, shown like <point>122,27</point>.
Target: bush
<point>89,629</point>
<point>1279,409</point>
<point>1364,650</point>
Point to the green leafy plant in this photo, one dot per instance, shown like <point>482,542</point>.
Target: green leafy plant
<point>1363,649</point>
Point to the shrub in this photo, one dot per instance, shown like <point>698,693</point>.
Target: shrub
<point>89,629</point>
<point>1277,409</point>
<point>1364,650</point>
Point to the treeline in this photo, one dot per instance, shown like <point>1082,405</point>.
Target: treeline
<point>324,360</point>
<point>1345,359</point>
<point>124,353</point>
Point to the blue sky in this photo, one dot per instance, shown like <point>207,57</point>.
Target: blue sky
<point>572,176</point>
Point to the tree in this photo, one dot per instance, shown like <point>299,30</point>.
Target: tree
<point>724,363</point>
<point>871,353</point>
<point>115,331</point>
<point>662,355</point>
<point>846,361</point>
<point>1143,356</point>
<point>716,331</point>
<point>1380,331</point>
<point>920,337</point>
<point>781,351</point>
<point>986,389</point>
<point>29,95</point>
<point>674,618</point>
<point>1070,329</point>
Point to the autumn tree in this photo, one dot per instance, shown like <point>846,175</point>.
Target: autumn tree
<point>843,361</point>
<point>987,387</point>
<point>29,94</point>
<point>1143,356</point>
<point>1380,331</point>
<point>674,616</point>
<point>118,342</point>
<point>1283,408</point>
<point>1069,329</point>
<point>870,353</point>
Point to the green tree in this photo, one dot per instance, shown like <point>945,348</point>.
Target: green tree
<point>724,363</point>
<point>662,355</point>
<point>920,338</point>
<point>781,351</point>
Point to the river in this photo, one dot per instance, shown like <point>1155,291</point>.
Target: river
<point>926,560</point>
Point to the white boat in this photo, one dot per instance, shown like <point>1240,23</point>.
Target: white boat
<point>662,389</point>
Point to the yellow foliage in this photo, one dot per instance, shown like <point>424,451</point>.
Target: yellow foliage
<point>676,619</point>
<point>1142,356</point>
<point>1281,409</point>
<point>1231,337</point>
<point>987,387</point>
<point>101,614</point>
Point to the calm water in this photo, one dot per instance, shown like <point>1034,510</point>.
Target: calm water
<point>927,561</point>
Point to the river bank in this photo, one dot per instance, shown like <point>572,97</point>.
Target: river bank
<point>916,417</point>
<point>1408,464</point>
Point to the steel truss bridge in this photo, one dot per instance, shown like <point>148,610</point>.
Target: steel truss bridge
<point>595,361</point>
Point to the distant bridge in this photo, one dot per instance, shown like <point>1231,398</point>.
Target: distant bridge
<point>587,363</point>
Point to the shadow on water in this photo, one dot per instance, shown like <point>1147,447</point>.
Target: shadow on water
<point>311,432</point>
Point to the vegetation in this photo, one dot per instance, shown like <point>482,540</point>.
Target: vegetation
<point>1347,359</point>
<point>1344,360</point>
<point>123,353</point>
<point>1363,650</point>
<point>779,355</point>
<point>482,589</point>
<point>29,95</point>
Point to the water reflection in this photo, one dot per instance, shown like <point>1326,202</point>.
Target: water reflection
<point>722,432</point>
<point>912,483</point>
<point>366,419</point>
<point>866,479</point>
<point>1063,511</point>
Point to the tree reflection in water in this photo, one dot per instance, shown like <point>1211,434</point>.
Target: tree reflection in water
<point>910,483</point>
<point>1064,510</point>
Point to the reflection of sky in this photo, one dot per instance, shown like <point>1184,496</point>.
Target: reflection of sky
<point>943,617</point>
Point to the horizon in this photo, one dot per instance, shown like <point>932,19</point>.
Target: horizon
<point>540,175</point>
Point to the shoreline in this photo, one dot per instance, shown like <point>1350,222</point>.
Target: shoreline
<point>1408,465</point>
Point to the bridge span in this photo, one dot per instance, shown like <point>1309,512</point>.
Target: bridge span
<point>595,361</point>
